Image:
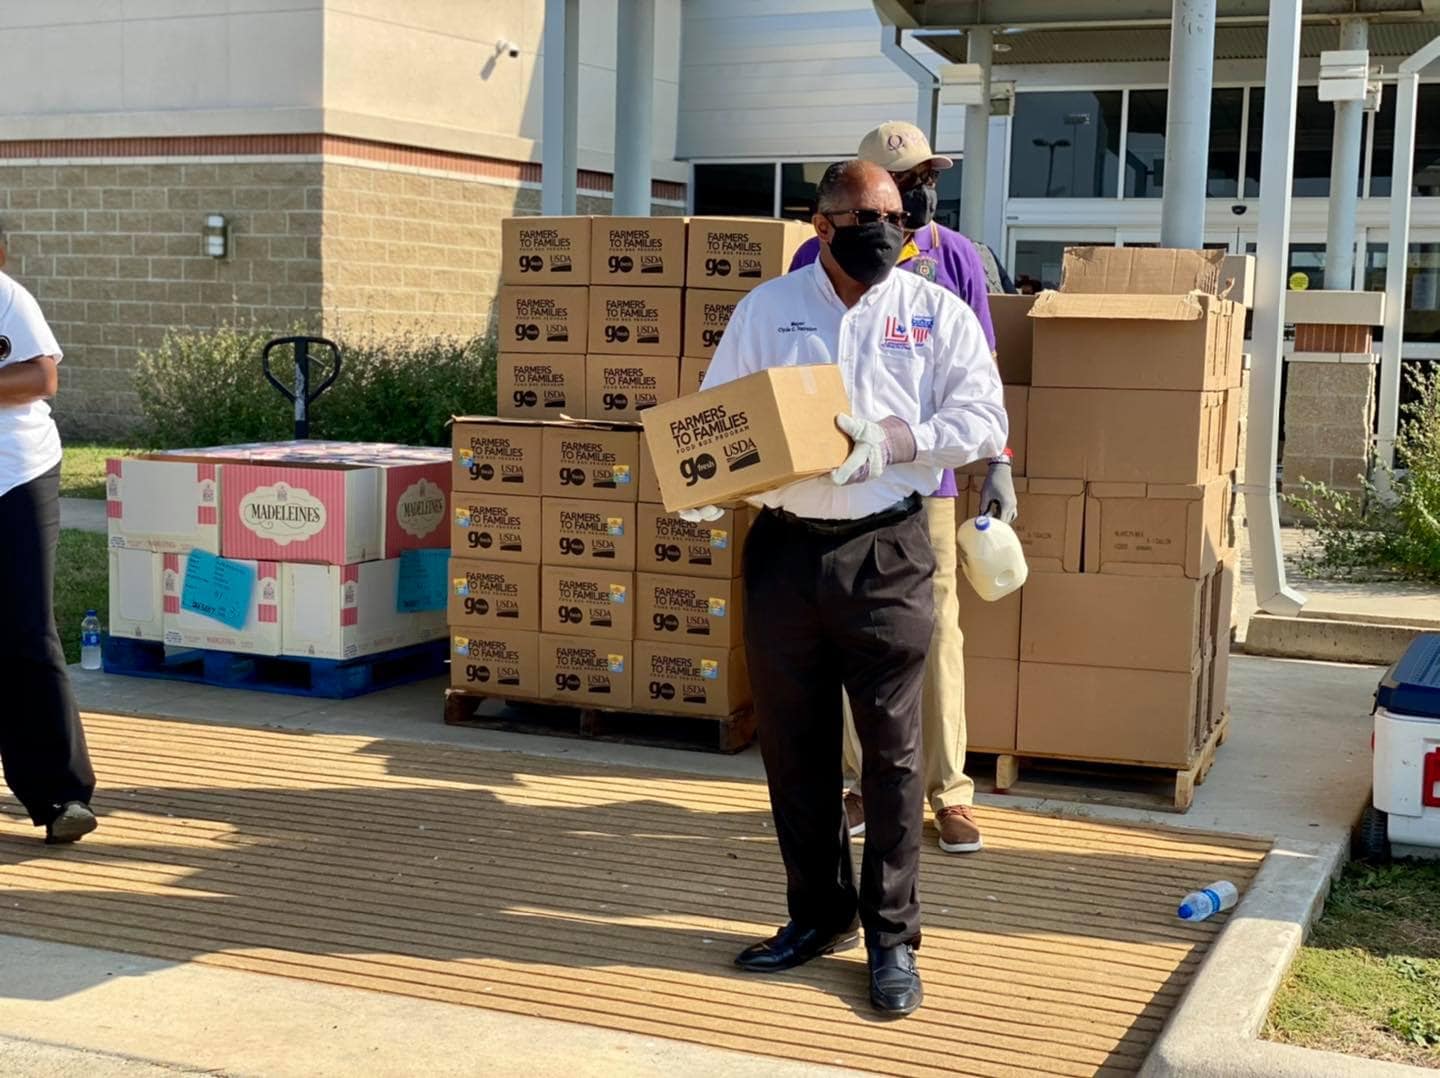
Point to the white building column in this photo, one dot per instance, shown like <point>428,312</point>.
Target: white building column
<point>979,48</point>
<point>634,106</point>
<point>561,85</point>
<point>1187,124</point>
<point>1345,173</point>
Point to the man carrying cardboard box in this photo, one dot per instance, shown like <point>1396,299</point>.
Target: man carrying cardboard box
<point>941,255</point>
<point>838,569</point>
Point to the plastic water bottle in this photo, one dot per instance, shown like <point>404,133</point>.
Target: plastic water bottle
<point>90,641</point>
<point>1207,902</point>
<point>991,557</point>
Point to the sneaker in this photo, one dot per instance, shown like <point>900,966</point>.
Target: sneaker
<point>854,813</point>
<point>75,821</point>
<point>958,833</point>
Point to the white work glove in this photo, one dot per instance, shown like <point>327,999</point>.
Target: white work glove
<point>998,492</point>
<point>877,445</point>
<point>702,514</point>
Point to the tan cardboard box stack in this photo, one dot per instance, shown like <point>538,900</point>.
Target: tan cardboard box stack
<point>546,601</point>
<point>1118,644</point>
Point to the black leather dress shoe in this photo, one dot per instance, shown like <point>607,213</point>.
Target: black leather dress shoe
<point>794,945</point>
<point>895,987</point>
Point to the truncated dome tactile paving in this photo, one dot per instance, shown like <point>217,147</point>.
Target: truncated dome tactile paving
<point>607,896</point>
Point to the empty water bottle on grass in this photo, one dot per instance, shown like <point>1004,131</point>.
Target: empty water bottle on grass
<point>90,641</point>
<point>1208,901</point>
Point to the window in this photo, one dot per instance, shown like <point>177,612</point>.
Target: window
<point>1422,288</point>
<point>1314,138</point>
<point>797,189</point>
<point>1427,143</point>
<point>735,190</point>
<point>1065,145</point>
<point>1145,144</point>
<point>1223,179</point>
<point>948,212</point>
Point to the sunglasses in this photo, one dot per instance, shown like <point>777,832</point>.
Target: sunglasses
<point>921,176</point>
<point>869,217</point>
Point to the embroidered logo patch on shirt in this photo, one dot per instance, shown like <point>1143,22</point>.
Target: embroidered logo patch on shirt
<point>920,327</point>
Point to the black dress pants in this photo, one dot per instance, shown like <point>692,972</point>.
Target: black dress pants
<point>42,744</point>
<point>822,612</point>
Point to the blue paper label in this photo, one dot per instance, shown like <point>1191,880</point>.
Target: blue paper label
<point>423,578</point>
<point>218,588</point>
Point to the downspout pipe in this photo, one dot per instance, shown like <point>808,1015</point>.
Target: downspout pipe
<point>927,84</point>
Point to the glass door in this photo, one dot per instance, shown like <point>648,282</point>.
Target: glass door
<point>1036,253</point>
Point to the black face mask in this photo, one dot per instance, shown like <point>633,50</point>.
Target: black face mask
<point>919,204</point>
<point>867,253</point>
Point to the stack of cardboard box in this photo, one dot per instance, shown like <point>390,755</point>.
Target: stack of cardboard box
<point>1117,647</point>
<point>322,526</point>
<point>570,584</point>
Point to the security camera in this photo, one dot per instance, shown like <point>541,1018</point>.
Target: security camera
<point>509,48</point>
<point>1239,209</point>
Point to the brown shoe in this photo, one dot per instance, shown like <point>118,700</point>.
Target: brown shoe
<point>854,813</point>
<point>958,833</point>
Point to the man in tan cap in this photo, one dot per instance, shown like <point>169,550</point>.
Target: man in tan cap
<point>947,258</point>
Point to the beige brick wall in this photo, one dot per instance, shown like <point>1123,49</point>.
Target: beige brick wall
<point>1329,417</point>
<point>114,255</point>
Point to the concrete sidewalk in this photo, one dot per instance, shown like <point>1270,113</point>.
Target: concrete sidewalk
<point>83,514</point>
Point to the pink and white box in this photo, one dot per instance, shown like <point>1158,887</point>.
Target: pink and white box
<point>261,633</point>
<point>163,505</point>
<point>345,611</point>
<point>137,601</point>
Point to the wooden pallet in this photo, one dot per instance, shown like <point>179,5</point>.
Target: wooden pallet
<point>328,679</point>
<point>1109,782</point>
<point>706,733</point>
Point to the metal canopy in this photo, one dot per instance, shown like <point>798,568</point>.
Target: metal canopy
<point>958,14</point>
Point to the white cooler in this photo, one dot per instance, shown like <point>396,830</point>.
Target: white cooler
<point>1407,751</point>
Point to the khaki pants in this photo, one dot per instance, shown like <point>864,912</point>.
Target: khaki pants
<point>943,707</point>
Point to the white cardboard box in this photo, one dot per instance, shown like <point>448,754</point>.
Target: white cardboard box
<point>137,600</point>
<point>345,611</point>
<point>168,506</point>
<point>260,635</point>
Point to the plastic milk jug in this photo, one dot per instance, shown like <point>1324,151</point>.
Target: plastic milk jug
<point>991,556</point>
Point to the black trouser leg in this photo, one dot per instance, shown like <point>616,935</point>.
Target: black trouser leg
<point>42,744</point>
<point>795,678</point>
<point>882,614</point>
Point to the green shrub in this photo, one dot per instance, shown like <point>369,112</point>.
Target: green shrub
<point>1395,533</point>
<point>206,388</point>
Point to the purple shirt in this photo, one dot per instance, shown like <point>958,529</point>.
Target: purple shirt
<point>948,259</point>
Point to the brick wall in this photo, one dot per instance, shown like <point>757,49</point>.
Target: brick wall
<point>114,255</point>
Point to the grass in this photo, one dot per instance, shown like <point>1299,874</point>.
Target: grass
<point>1368,982</point>
<point>82,474</point>
<point>82,582</point>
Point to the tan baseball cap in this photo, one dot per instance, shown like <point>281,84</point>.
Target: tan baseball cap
<point>898,147</point>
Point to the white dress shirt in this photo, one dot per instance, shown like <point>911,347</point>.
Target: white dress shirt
<point>29,442</point>
<point>908,349</point>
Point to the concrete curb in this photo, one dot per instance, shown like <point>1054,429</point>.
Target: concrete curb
<point>1331,638</point>
<point>1214,1031</point>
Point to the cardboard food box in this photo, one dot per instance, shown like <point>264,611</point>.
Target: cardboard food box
<point>754,434</point>
<point>689,680</point>
<point>668,544</point>
<point>544,319</point>
<point>621,387</point>
<point>545,250</point>
<point>163,505</point>
<point>691,610</point>
<point>1153,529</point>
<point>1051,524</point>
<point>493,594</point>
<point>540,387</point>
<point>496,528</point>
<point>1141,271</point>
<point>1219,671</point>
<point>1125,435</point>
<point>635,321</point>
<point>328,514</point>
<point>738,253</point>
<point>637,251</point>
<point>585,672</point>
<point>596,459</point>
<point>1014,336</point>
<point>707,313</point>
<point>495,662</point>
<point>587,602</point>
<point>648,489</point>
<point>991,630</point>
<point>692,374</point>
<point>1108,713</point>
<point>1098,619</point>
<point>1017,410</point>
<point>496,455</point>
<point>992,703</point>
<point>137,595</point>
<point>1230,418</point>
<point>260,635</point>
<point>345,611</point>
<point>588,533</point>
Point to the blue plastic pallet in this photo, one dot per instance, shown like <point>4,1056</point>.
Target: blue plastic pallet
<point>328,679</point>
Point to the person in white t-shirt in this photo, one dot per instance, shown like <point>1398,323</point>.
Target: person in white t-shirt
<point>42,744</point>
